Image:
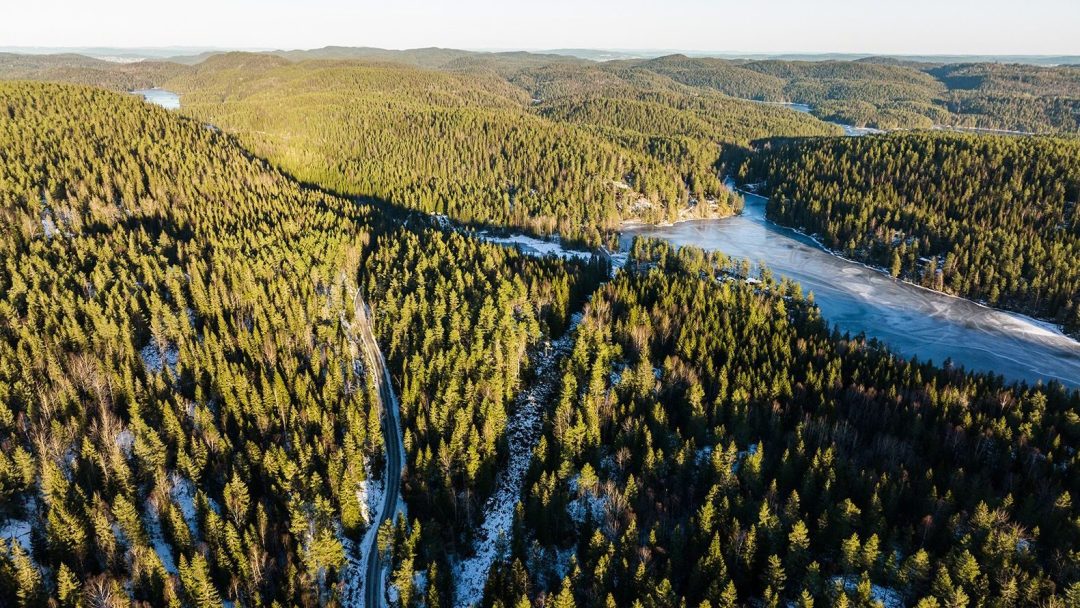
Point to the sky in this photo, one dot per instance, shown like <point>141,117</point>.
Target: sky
<point>1031,27</point>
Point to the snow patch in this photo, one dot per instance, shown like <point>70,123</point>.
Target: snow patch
<point>523,432</point>
<point>587,505</point>
<point>420,582</point>
<point>703,455</point>
<point>17,530</point>
<point>48,226</point>
<point>125,440</point>
<point>183,493</point>
<point>371,494</point>
<point>887,597</point>
<point>155,361</point>
<point>618,368</point>
<point>536,247</point>
<point>157,539</point>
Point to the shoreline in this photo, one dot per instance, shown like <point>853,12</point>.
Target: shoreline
<point>631,223</point>
<point>1044,324</point>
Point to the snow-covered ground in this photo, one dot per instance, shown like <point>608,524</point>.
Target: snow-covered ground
<point>154,361</point>
<point>522,432</point>
<point>370,493</point>
<point>889,598</point>
<point>18,530</point>
<point>537,247</point>
<point>586,505</point>
<point>183,492</point>
<point>125,440</point>
<point>157,539</point>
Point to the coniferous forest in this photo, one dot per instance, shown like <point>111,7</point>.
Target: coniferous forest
<point>190,415</point>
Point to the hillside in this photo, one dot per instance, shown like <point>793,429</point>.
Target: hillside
<point>182,414</point>
<point>196,304</point>
<point>464,145</point>
<point>892,94</point>
<point>714,444</point>
<point>78,69</point>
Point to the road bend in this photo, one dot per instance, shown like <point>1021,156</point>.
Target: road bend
<point>374,592</point>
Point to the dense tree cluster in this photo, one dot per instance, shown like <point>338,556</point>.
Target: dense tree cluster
<point>186,418</point>
<point>465,146</point>
<point>459,318</point>
<point>876,91</point>
<point>988,218</point>
<point>179,415</point>
<point>716,445</point>
<point>184,412</point>
<point>685,132</point>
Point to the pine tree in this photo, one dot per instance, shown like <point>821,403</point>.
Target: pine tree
<point>197,585</point>
<point>67,587</point>
<point>565,598</point>
<point>30,589</point>
<point>774,575</point>
<point>798,546</point>
<point>237,500</point>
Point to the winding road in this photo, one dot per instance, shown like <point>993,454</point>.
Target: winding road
<point>374,594</point>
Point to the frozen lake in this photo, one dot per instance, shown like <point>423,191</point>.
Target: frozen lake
<point>161,97</point>
<point>910,319</point>
<point>849,130</point>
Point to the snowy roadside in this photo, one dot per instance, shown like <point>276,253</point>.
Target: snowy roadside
<point>371,496</point>
<point>523,433</point>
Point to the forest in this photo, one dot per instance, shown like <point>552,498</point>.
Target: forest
<point>890,94</point>
<point>183,420</point>
<point>473,146</point>
<point>990,218</point>
<point>187,419</point>
<point>716,444</point>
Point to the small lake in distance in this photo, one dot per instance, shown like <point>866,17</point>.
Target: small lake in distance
<point>160,97</point>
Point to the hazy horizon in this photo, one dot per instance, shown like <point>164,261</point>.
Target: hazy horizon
<point>774,27</point>
<point>135,53</point>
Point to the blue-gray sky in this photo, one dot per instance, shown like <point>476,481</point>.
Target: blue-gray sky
<point>774,26</point>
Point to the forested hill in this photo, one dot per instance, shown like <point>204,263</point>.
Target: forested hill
<point>714,445</point>
<point>79,69</point>
<point>877,92</point>
<point>183,415</point>
<point>185,419</point>
<point>172,408</point>
<point>892,95</point>
<point>993,219</point>
<point>472,145</point>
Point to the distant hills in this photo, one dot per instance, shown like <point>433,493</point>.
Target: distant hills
<point>883,92</point>
<point>190,55</point>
